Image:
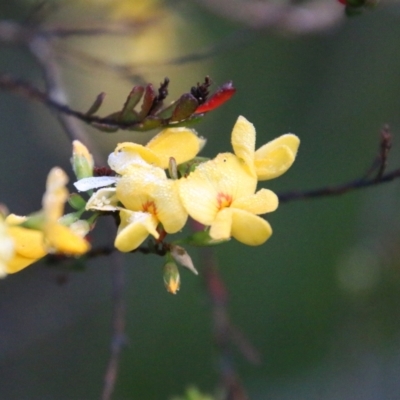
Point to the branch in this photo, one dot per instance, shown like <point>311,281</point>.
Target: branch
<point>225,333</point>
<point>118,339</point>
<point>378,166</point>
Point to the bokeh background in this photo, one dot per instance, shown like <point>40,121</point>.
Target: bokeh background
<point>320,300</point>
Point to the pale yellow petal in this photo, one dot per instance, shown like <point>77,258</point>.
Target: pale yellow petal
<point>249,228</point>
<point>222,225</point>
<point>28,242</point>
<point>18,262</point>
<point>276,157</point>
<point>129,154</point>
<point>262,202</point>
<point>135,190</point>
<point>183,144</point>
<point>222,176</point>
<point>134,229</point>
<point>103,200</point>
<point>169,208</point>
<point>244,141</point>
<point>60,238</point>
<point>56,194</point>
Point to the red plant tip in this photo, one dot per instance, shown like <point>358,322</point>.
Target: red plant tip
<point>343,2</point>
<point>223,94</point>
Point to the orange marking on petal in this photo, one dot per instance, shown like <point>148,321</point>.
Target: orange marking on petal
<point>150,207</point>
<point>224,200</point>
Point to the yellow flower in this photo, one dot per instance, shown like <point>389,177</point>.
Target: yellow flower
<point>180,143</point>
<point>270,160</point>
<point>29,244</point>
<point>220,194</point>
<point>50,235</point>
<point>82,161</point>
<point>58,237</point>
<point>7,248</point>
<point>148,198</point>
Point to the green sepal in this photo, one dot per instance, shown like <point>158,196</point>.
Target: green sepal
<point>186,106</point>
<point>70,218</point>
<point>201,239</point>
<point>76,201</point>
<point>96,104</point>
<point>35,221</point>
<point>187,167</point>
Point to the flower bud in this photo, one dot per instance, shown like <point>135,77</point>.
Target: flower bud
<point>76,201</point>
<point>181,256</point>
<point>172,280</point>
<point>82,160</point>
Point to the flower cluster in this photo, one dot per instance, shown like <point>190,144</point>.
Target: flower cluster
<point>219,193</point>
<point>26,239</point>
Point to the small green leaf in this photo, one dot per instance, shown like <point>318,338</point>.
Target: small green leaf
<point>201,239</point>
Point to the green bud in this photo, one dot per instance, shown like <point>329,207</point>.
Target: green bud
<point>69,219</point>
<point>181,256</point>
<point>172,279</point>
<point>82,160</point>
<point>76,201</point>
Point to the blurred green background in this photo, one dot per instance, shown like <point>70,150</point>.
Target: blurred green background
<point>320,300</point>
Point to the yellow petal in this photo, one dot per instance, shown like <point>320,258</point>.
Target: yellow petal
<point>276,157</point>
<point>56,194</point>
<point>249,228</point>
<point>262,202</point>
<point>18,263</point>
<point>169,209</point>
<point>222,225</point>
<point>128,155</point>
<point>223,175</point>
<point>181,143</point>
<point>28,242</point>
<point>134,229</point>
<point>244,141</point>
<point>140,187</point>
<point>61,239</point>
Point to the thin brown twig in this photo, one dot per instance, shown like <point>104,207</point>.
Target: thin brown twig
<point>118,339</point>
<point>378,165</point>
<point>224,333</point>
